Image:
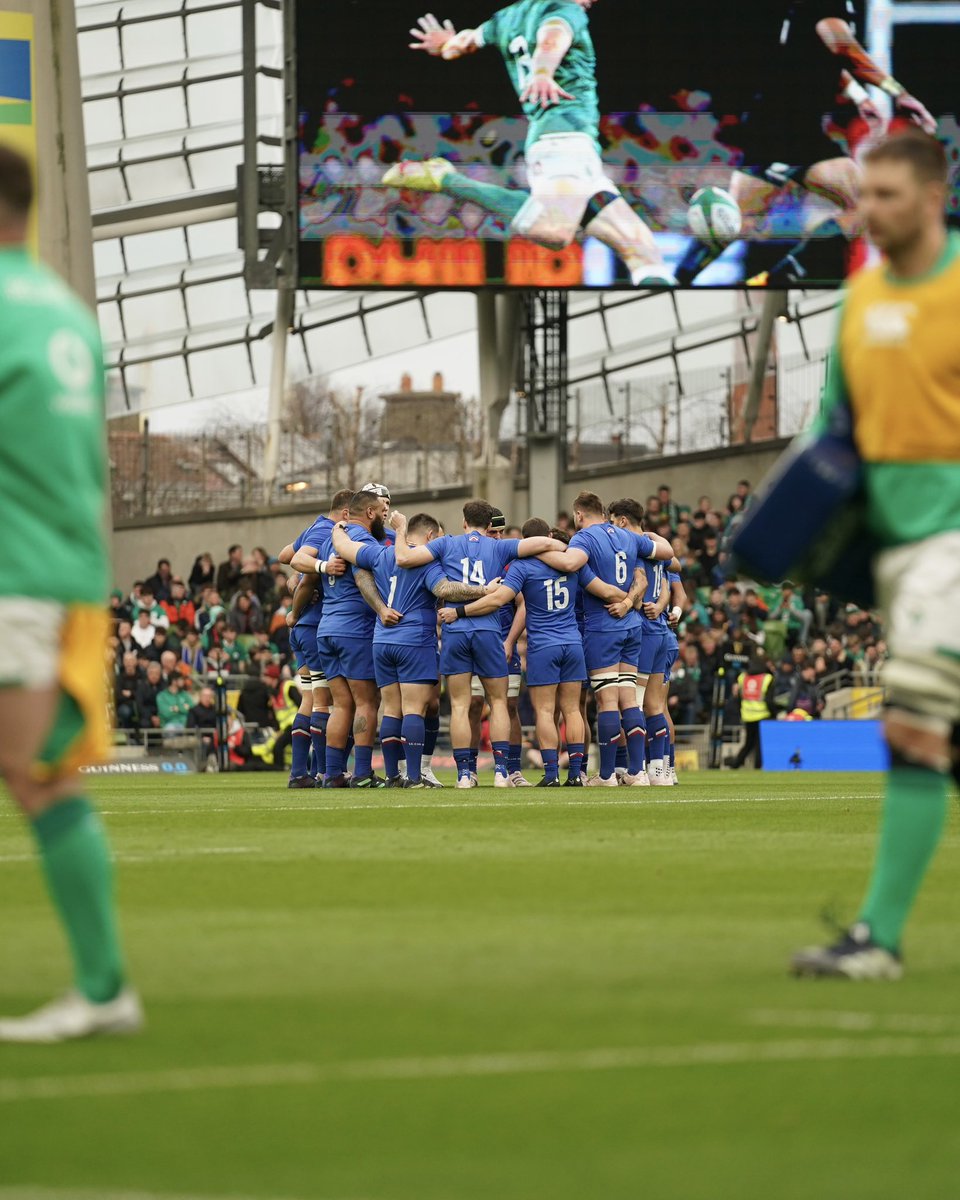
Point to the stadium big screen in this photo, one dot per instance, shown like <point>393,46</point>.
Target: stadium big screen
<point>710,143</point>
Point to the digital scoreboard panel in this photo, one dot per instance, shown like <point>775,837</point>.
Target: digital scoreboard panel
<point>601,143</point>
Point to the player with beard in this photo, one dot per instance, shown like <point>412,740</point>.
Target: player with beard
<point>310,724</point>
<point>549,55</point>
<point>814,53</point>
<point>351,606</point>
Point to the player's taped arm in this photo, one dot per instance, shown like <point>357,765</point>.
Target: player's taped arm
<point>662,549</point>
<point>368,590</point>
<point>567,561</point>
<point>452,592</point>
<point>305,561</point>
<point>554,39</point>
<point>678,599</point>
<point>467,41</point>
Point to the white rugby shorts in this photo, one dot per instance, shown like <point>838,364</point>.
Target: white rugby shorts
<point>564,172</point>
<point>918,586</point>
<point>31,633</point>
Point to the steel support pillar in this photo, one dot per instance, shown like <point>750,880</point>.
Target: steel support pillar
<point>499,327</point>
<point>545,384</point>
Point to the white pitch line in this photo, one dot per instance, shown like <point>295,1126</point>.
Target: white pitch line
<point>845,1021</point>
<point>192,1079</point>
<point>452,805</point>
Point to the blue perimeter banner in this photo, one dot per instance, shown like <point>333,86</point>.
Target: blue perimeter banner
<point>823,746</point>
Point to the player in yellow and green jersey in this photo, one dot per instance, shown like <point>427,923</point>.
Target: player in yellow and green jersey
<point>53,623</point>
<point>896,366</point>
<point>549,56</point>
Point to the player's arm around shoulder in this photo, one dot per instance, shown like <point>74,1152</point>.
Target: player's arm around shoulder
<point>348,549</point>
<point>412,556</point>
<point>479,608</point>
<point>452,592</point>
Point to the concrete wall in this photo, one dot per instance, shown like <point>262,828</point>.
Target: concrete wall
<point>137,546</point>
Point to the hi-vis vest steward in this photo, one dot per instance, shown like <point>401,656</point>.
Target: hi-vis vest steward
<point>753,697</point>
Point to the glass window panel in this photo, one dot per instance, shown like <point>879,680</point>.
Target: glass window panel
<point>148,315</point>
<point>215,372</point>
<point>217,301</point>
<point>154,112</point>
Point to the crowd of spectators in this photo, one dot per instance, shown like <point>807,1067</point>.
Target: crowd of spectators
<point>175,634</point>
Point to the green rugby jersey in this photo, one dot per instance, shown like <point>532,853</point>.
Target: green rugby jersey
<point>53,463</point>
<point>514,30</point>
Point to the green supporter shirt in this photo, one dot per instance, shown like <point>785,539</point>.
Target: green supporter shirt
<point>172,708</point>
<point>514,30</point>
<point>53,462</point>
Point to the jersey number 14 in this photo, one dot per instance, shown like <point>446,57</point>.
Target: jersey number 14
<point>473,572</point>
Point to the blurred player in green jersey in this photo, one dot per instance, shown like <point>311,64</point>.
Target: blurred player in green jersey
<point>53,623</point>
<point>550,59</point>
<point>895,375</point>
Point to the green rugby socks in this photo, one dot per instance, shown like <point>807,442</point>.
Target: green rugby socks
<point>914,811</point>
<point>501,201</point>
<point>76,862</point>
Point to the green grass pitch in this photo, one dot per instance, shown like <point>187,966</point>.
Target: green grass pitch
<point>487,996</point>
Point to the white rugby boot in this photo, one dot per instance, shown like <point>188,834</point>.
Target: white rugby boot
<point>74,1016</point>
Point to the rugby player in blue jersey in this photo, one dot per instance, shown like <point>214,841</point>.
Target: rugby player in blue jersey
<point>351,607</point>
<point>654,646</point>
<point>511,627</point>
<point>612,642</point>
<point>678,602</point>
<point>555,664</point>
<point>474,646</point>
<point>310,723</point>
<point>405,655</point>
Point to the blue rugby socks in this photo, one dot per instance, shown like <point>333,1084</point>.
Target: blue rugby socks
<point>391,745</point>
<point>608,733</point>
<point>414,736</point>
<point>300,733</point>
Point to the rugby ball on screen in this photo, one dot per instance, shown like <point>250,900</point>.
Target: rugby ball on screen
<point>714,217</point>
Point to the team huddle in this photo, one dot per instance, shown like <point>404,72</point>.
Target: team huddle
<point>385,607</point>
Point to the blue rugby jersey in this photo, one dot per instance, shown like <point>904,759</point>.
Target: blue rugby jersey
<point>408,591</point>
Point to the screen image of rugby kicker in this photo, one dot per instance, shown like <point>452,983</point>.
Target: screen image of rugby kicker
<point>601,144</point>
